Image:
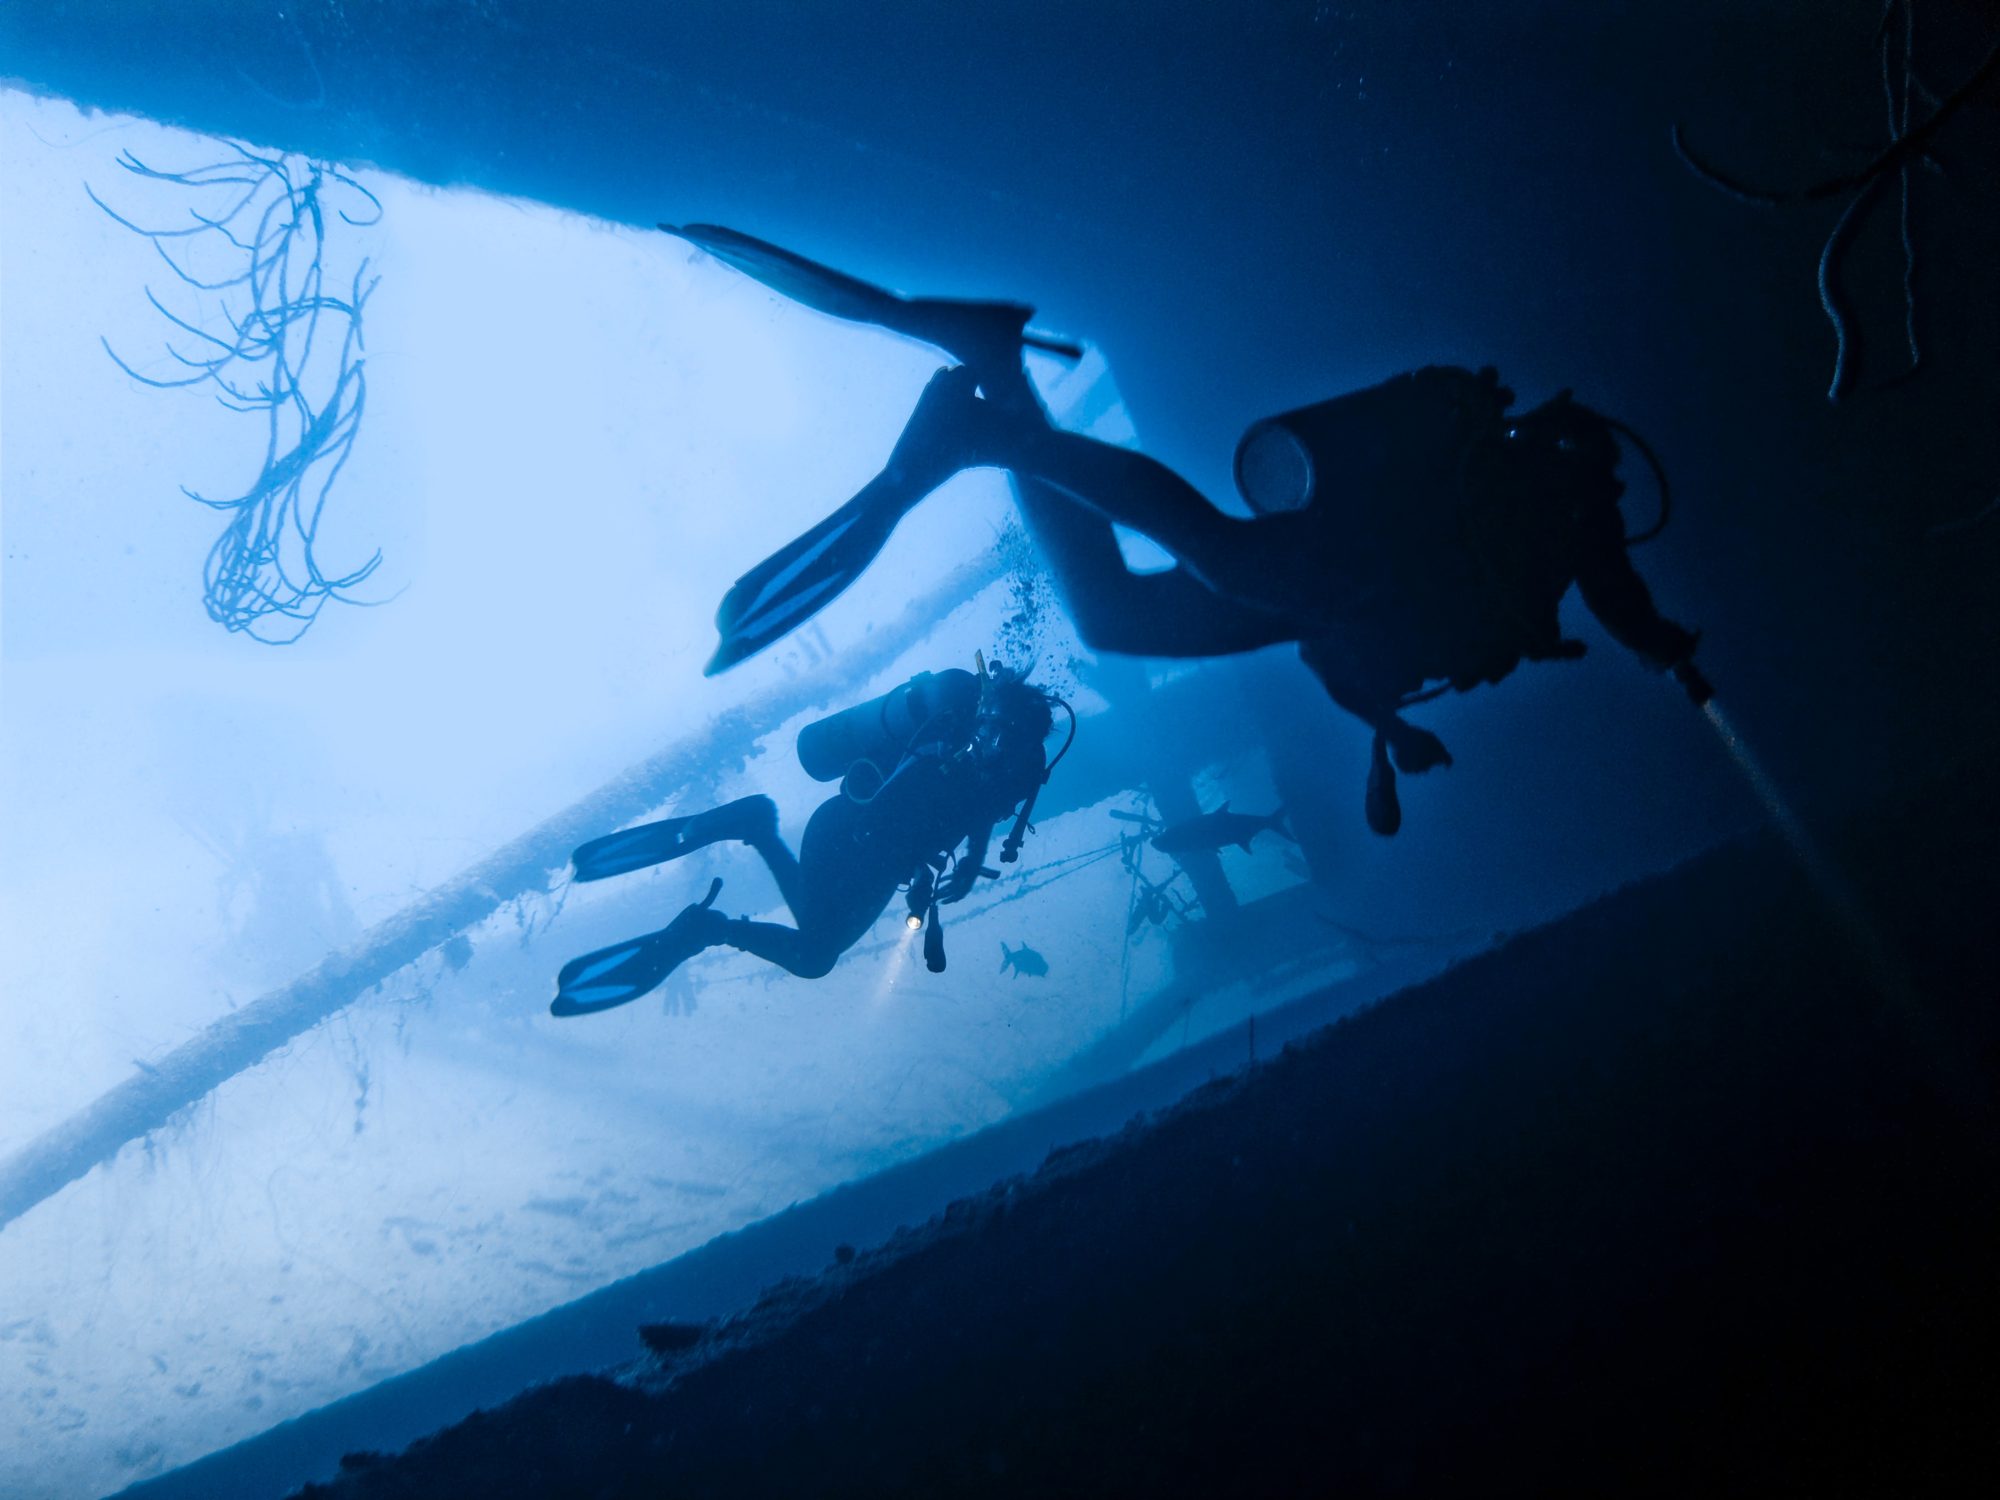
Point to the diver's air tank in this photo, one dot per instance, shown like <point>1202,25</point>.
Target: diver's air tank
<point>1274,465</point>
<point>882,729</point>
<point>1376,440</point>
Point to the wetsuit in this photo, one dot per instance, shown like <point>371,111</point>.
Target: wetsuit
<point>855,855</point>
<point>968,772</point>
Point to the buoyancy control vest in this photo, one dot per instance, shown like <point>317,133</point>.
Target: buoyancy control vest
<point>1468,524</point>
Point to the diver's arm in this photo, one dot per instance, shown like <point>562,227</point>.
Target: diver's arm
<point>958,884</point>
<point>1618,596</point>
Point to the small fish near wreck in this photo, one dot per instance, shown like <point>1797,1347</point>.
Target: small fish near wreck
<point>1023,960</point>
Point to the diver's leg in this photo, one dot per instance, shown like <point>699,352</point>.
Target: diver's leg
<point>956,427</point>
<point>987,338</point>
<point>811,951</point>
<point>782,863</point>
<point>1222,552</point>
<point>838,887</point>
<point>1278,565</point>
<point>787,947</point>
<point>1168,613</point>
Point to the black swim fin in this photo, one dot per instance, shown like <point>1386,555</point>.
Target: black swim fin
<point>669,838</point>
<point>628,849</point>
<point>974,333</point>
<point>805,281</point>
<point>623,972</point>
<point>798,580</point>
<point>792,585</point>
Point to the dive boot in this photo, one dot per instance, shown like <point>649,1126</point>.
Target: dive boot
<point>623,972</point>
<point>794,583</point>
<point>985,335</point>
<point>655,843</point>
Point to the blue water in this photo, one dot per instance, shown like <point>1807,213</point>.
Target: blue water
<point>578,431</point>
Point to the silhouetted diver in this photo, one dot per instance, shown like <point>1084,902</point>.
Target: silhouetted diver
<point>925,768</point>
<point>1406,534</point>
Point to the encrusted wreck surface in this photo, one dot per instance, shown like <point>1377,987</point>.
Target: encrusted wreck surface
<point>1671,1195</point>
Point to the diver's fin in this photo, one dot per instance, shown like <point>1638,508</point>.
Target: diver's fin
<point>794,583</point>
<point>792,275</point>
<point>655,843</point>
<point>973,332</point>
<point>623,972</point>
<point>629,849</point>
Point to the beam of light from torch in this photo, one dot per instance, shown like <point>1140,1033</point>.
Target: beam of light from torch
<point>1782,817</point>
<point>907,940</point>
<point>1885,973</point>
<point>1883,970</point>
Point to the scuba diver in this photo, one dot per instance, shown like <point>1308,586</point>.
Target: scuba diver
<point>932,765</point>
<point>1413,538</point>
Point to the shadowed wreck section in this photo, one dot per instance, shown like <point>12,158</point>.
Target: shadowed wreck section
<point>1662,1198</point>
<point>1692,1190</point>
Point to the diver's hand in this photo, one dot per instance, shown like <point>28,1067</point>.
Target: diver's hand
<point>957,885</point>
<point>1674,650</point>
<point>1689,676</point>
<point>1679,660</point>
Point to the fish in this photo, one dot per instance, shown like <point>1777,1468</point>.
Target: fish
<point>1024,960</point>
<point>1216,829</point>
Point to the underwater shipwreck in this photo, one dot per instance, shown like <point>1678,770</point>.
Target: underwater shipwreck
<point>873,749</point>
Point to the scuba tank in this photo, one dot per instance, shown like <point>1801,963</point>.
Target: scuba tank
<point>880,731</point>
<point>1274,464</point>
<point>1416,433</point>
<point>1379,440</point>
